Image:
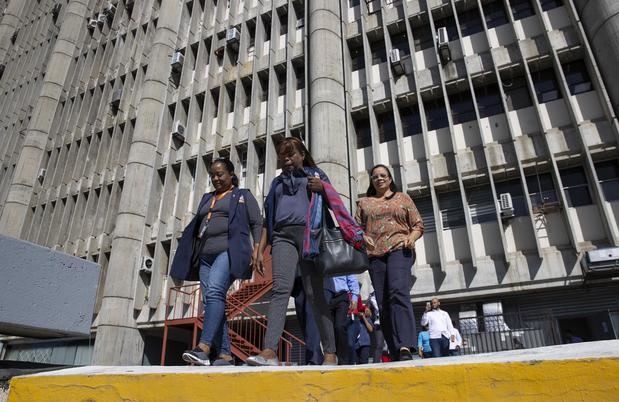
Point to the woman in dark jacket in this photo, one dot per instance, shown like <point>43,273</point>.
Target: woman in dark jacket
<point>223,222</point>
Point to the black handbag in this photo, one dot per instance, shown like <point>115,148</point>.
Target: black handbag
<point>336,257</point>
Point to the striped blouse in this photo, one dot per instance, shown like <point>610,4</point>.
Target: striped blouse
<point>387,222</point>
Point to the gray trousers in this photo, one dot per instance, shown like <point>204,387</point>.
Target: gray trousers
<point>287,250</point>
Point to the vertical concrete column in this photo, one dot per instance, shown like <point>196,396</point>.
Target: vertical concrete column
<point>601,21</point>
<point>119,341</point>
<point>9,24</point>
<point>33,150</point>
<point>327,134</point>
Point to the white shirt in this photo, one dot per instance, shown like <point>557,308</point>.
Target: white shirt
<point>438,322</point>
<point>457,339</point>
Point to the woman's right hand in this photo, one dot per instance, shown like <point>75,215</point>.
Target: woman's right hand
<point>258,263</point>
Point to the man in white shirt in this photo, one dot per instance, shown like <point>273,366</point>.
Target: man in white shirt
<point>440,328</point>
<point>455,342</point>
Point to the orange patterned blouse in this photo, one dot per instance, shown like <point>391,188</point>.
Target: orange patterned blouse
<point>387,222</point>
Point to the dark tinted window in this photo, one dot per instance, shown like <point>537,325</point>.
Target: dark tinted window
<point>608,175</point>
<point>386,127</point>
<point>550,4</point>
<point>577,77</point>
<point>488,100</point>
<point>495,14</point>
<point>356,59</point>
<point>521,8</point>
<point>379,55</point>
<point>575,186</point>
<point>517,93</point>
<point>481,204</point>
<point>436,114</point>
<point>542,189</point>
<point>462,108</point>
<point>400,41</point>
<point>470,22</point>
<point>411,120</point>
<point>546,86</point>
<point>452,213</point>
<point>424,206</point>
<point>422,37</point>
<point>362,130</point>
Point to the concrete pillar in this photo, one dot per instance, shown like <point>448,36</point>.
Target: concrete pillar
<point>327,134</point>
<point>33,150</point>
<point>9,24</point>
<point>600,19</point>
<point>118,340</point>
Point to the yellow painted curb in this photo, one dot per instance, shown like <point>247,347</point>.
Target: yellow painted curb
<point>566,380</point>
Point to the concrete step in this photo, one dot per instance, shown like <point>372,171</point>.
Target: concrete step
<point>577,372</point>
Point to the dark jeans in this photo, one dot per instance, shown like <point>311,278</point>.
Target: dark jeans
<point>378,340</point>
<point>391,278</point>
<point>338,307</point>
<point>311,336</point>
<point>363,354</point>
<point>440,346</point>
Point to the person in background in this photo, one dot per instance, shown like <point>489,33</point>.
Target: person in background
<point>378,340</point>
<point>287,207</point>
<point>363,341</point>
<point>341,294</point>
<point>571,338</point>
<point>307,323</point>
<point>455,341</point>
<point>392,225</point>
<point>439,326</point>
<point>423,343</point>
<point>224,220</point>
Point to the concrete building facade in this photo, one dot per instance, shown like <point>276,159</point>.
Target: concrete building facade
<point>498,117</point>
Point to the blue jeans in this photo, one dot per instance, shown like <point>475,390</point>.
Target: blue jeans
<point>440,346</point>
<point>215,280</point>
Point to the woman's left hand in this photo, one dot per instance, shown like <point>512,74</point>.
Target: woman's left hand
<point>409,242</point>
<point>314,184</point>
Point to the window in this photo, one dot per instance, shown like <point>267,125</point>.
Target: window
<point>542,189</point>
<point>489,100</point>
<point>577,77</point>
<point>452,213</point>
<point>411,120</point>
<point>436,114</point>
<point>400,41</point>
<point>608,175</point>
<point>546,86</point>
<point>356,59</point>
<point>470,22</point>
<point>424,206</point>
<point>517,93</point>
<point>495,14</point>
<point>514,189</point>
<point>550,4</point>
<point>353,3</point>
<point>386,127</point>
<point>462,108</point>
<point>422,37</point>
<point>379,55</point>
<point>362,130</point>
<point>481,204</point>
<point>521,8</point>
<point>576,187</point>
<point>300,76</point>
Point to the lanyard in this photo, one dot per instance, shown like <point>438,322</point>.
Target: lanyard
<point>215,199</point>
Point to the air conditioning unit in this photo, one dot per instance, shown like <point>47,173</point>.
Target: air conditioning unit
<point>146,265</point>
<point>442,40</point>
<point>110,10</point>
<point>300,22</point>
<point>178,132</point>
<point>92,24</point>
<point>233,35</point>
<point>56,11</point>
<point>602,262</point>
<point>396,61</point>
<point>41,175</point>
<point>116,97</point>
<point>101,19</point>
<point>177,62</point>
<point>506,205</point>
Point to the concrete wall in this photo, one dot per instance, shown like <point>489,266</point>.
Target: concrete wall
<point>44,293</point>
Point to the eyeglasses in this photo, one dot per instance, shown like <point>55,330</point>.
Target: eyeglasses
<point>380,176</point>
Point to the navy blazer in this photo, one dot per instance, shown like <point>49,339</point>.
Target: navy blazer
<point>238,240</point>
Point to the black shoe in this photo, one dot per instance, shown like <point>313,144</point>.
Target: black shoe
<point>405,355</point>
<point>196,356</point>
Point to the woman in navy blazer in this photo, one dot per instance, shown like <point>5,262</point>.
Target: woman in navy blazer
<point>223,222</point>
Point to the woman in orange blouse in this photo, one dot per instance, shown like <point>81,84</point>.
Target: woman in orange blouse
<point>392,225</point>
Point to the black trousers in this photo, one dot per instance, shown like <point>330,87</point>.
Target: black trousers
<point>313,351</point>
<point>338,306</point>
<point>391,278</point>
